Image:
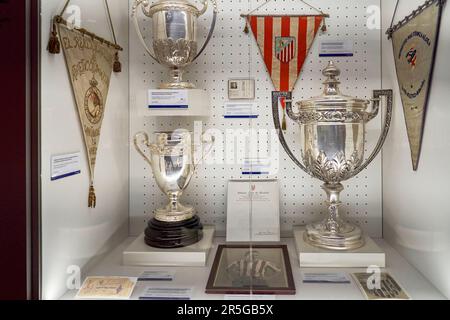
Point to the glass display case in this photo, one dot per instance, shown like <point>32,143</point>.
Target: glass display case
<point>195,172</point>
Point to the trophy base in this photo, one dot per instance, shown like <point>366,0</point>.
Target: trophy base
<point>170,215</point>
<point>349,237</point>
<point>176,85</point>
<point>171,235</point>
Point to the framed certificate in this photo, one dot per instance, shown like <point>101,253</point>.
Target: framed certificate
<point>241,89</point>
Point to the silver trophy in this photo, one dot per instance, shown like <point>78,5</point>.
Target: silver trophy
<point>174,35</point>
<point>172,159</point>
<point>332,137</point>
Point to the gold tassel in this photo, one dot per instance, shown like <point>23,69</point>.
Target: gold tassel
<point>92,198</point>
<point>246,29</point>
<point>117,65</point>
<point>283,123</point>
<point>324,25</point>
<point>54,46</point>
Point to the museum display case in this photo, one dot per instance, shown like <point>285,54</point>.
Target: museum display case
<point>184,144</point>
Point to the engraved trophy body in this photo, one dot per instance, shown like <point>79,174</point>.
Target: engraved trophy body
<point>174,42</point>
<point>332,138</point>
<point>171,157</point>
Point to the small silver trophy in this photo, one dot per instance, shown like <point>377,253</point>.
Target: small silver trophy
<point>172,159</point>
<point>332,142</point>
<point>174,35</point>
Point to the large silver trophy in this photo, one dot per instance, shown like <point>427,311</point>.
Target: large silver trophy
<point>332,137</point>
<point>174,35</point>
<point>172,159</point>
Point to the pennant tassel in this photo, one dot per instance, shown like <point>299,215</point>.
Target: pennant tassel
<point>324,25</point>
<point>92,201</point>
<point>54,46</point>
<point>283,107</point>
<point>117,65</point>
<point>283,123</point>
<point>246,28</point>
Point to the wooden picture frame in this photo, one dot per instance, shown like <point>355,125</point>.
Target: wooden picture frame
<point>251,269</point>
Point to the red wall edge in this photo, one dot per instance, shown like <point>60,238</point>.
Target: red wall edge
<point>19,95</point>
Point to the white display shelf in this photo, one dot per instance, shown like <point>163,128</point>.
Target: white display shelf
<point>412,281</point>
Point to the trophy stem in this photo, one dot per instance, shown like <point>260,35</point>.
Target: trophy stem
<point>334,222</point>
<point>334,233</point>
<point>176,75</point>
<point>173,201</point>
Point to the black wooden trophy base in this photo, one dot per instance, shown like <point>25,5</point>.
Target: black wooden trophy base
<point>171,235</point>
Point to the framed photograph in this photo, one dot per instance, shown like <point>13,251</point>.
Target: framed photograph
<point>241,89</point>
<point>245,269</point>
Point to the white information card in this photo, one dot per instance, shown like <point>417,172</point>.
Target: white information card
<point>253,211</point>
<point>240,110</point>
<point>168,99</point>
<point>336,48</point>
<point>151,293</point>
<point>65,165</point>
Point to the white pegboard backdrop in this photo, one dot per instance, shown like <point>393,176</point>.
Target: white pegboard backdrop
<point>234,54</point>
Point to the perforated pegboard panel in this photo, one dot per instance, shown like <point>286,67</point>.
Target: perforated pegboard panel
<point>234,54</point>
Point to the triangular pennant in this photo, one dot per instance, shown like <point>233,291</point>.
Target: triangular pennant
<point>90,65</point>
<point>284,43</point>
<point>414,43</point>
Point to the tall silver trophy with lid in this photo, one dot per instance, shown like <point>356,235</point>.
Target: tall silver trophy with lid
<point>174,31</point>
<point>332,143</point>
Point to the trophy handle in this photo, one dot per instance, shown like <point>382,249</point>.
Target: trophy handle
<point>276,119</point>
<point>205,154</point>
<point>145,4</point>
<point>377,94</point>
<point>141,138</point>
<point>213,24</point>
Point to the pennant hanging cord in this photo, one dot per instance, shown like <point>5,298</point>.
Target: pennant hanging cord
<point>117,64</point>
<point>390,31</point>
<point>247,29</point>
<point>54,44</point>
<point>414,14</point>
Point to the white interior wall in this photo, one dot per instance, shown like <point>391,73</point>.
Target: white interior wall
<point>72,234</point>
<point>416,212</point>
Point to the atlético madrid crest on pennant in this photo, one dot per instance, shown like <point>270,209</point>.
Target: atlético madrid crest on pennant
<point>285,48</point>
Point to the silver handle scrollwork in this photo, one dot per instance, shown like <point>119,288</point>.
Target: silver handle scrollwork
<point>213,24</point>
<point>389,96</point>
<point>145,9</point>
<point>141,138</point>
<point>276,118</point>
<point>204,142</point>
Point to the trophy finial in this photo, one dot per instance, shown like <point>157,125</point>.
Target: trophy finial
<point>331,82</point>
<point>331,71</point>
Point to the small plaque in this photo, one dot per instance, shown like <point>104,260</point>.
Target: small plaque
<point>66,165</point>
<point>386,288</point>
<point>241,89</point>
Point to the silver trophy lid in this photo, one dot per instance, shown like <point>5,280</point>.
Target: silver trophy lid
<point>332,96</point>
<point>168,5</point>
